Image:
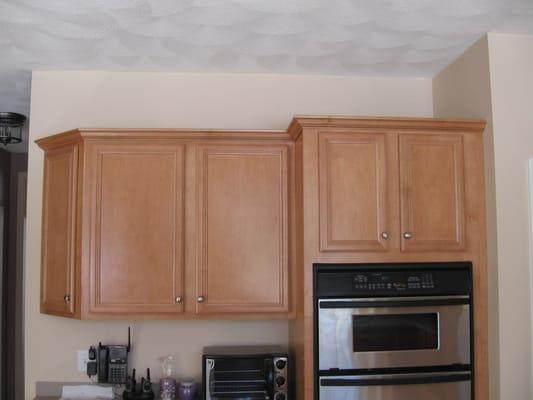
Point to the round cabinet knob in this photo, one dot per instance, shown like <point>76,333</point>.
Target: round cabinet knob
<point>280,381</point>
<point>200,299</point>
<point>385,235</point>
<point>67,298</point>
<point>179,300</point>
<point>407,235</point>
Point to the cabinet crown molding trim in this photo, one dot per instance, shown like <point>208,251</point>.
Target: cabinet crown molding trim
<point>386,123</point>
<point>76,135</point>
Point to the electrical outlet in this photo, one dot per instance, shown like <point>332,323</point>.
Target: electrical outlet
<point>83,358</point>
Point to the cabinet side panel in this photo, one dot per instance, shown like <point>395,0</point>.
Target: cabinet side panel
<point>58,238</point>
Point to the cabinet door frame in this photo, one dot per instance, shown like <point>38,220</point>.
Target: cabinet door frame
<point>456,141</point>
<point>387,189</point>
<point>96,152</point>
<point>202,153</point>
<point>61,305</point>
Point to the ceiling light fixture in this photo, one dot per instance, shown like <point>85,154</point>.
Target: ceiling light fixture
<point>11,127</point>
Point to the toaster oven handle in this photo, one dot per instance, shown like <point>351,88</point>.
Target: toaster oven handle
<point>269,376</point>
<point>396,379</point>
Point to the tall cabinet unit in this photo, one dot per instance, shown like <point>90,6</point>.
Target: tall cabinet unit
<point>387,190</point>
<point>167,224</point>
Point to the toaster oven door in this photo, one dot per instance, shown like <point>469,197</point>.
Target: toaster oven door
<point>239,379</point>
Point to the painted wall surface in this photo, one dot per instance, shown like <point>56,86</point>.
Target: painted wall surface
<point>511,71</point>
<point>462,90</point>
<point>66,100</point>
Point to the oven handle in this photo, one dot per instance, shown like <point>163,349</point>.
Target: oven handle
<point>396,379</point>
<point>394,302</point>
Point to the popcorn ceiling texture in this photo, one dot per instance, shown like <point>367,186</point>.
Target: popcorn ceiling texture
<point>340,37</point>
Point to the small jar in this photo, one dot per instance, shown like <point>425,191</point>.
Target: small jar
<point>167,388</point>
<point>187,390</point>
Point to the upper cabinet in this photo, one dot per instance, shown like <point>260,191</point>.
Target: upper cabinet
<point>365,177</point>
<point>242,220</point>
<point>388,186</point>
<point>166,224</point>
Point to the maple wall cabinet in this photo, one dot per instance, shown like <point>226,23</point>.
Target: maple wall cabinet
<point>365,177</point>
<point>166,224</point>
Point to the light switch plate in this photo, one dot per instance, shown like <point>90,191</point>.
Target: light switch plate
<point>83,358</point>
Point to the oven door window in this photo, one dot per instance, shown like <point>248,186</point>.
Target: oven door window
<point>395,332</point>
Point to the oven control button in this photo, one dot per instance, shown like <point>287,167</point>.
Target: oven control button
<point>280,396</point>
<point>280,381</point>
<point>280,364</point>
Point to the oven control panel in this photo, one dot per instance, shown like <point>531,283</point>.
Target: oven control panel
<point>392,281</point>
<point>375,280</point>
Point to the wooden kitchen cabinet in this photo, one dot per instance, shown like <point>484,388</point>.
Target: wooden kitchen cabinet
<point>365,177</point>
<point>166,224</point>
<point>242,220</point>
<point>59,274</point>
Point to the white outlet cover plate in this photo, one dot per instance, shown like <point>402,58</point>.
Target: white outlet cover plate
<point>83,358</point>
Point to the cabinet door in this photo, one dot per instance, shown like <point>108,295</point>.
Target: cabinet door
<point>137,228</point>
<point>356,192</point>
<point>242,229</point>
<point>432,192</point>
<point>58,232</point>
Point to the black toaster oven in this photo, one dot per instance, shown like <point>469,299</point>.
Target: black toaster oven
<point>246,373</point>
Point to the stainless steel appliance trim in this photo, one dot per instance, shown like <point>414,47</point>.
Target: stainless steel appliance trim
<point>396,379</point>
<point>391,299</point>
<point>399,376</point>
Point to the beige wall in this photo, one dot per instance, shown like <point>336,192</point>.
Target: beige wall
<point>511,70</point>
<point>65,100</point>
<point>462,90</point>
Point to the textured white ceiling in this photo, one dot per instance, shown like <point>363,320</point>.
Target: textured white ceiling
<point>344,37</point>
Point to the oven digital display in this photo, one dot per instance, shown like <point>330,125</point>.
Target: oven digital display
<point>395,332</point>
<point>393,281</point>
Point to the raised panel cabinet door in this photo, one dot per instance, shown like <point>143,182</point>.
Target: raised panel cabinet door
<point>432,192</point>
<point>137,228</point>
<point>355,188</point>
<point>58,231</point>
<point>242,229</point>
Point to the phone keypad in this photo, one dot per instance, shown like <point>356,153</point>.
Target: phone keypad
<point>117,374</point>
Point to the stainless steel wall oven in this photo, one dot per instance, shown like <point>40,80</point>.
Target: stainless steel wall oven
<point>393,331</point>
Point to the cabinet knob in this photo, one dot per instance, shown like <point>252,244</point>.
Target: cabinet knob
<point>179,300</point>
<point>200,299</point>
<point>385,235</point>
<point>67,298</point>
<point>407,235</point>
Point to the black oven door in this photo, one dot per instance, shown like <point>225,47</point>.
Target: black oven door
<point>393,332</point>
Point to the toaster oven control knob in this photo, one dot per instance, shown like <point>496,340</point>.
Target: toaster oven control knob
<point>280,396</point>
<point>200,299</point>
<point>280,364</point>
<point>280,381</point>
